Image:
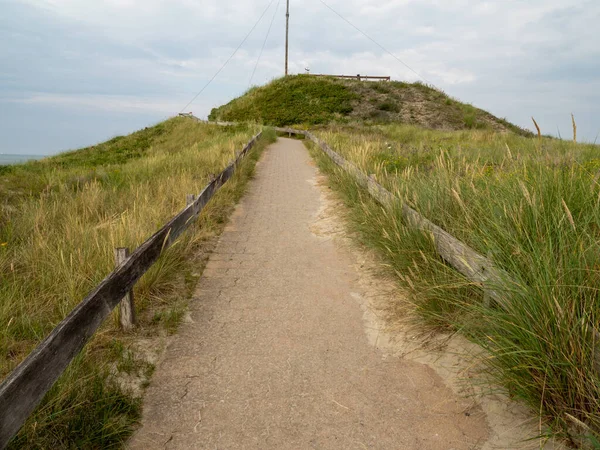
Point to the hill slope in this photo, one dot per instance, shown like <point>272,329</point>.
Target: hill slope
<point>303,99</point>
<point>60,220</point>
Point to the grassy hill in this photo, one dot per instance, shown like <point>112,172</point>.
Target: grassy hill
<point>60,220</point>
<point>530,204</point>
<point>303,99</point>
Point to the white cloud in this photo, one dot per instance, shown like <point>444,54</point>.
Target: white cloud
<point>516,58</point>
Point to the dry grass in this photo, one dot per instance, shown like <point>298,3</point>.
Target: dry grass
<point>533,206</point>
<point>301,99</point>
<point>58,234</point>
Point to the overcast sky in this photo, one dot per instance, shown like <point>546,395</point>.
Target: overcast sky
<point>76,72</point>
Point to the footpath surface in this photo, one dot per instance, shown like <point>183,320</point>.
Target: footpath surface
<point>275,355</point>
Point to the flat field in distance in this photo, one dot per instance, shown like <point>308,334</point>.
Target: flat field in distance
<point>60,220</point>
<point>533,206</point>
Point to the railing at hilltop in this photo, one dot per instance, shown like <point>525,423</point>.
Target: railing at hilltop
<point>23,389</point>
<point>358,77</point>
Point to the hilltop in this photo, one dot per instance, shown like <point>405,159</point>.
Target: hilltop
<point>304,99</point>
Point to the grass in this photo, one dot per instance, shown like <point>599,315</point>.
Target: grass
<point>292,100</point>
<point>31,178</point>
<point>304,100</point>
<point>389,106</point>
<point>61,218</point>
<point>533,206</point>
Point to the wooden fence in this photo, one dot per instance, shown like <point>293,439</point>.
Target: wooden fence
<point>358,77</point>
<point>464,259</point>
<point>495,282</point>
<point>474,266</point>
<point>24,387</point>
<point>222,124</point>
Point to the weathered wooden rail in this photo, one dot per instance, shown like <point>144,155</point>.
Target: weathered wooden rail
<point>475,267</point>
<point>358,77</point>
<point>24,387</point>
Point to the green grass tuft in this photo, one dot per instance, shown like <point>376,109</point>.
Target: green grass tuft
<point>533,207</point>
<point>292,100</point>
<point>61,218</point>
<point>306,100</point>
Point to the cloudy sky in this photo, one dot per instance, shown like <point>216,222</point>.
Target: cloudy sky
<point>76,72</point>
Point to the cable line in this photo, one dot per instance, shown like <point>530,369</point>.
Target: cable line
<point>229,59</point>
<point>376,43</point>
<point>264,43</point>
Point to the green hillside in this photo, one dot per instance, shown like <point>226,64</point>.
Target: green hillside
<point>303,99</point>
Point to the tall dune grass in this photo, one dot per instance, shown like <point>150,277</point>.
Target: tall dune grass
<point>533,206</point>
<point>61,219</point>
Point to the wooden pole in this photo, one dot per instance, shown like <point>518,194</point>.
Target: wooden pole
<point>189,199</point>
<point>287,34</point>
<point>126,307</point>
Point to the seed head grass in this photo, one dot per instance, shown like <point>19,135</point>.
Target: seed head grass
<point>60,220</point>
<point>533,207</point>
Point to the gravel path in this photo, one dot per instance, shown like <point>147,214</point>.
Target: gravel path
<point>275,354</point>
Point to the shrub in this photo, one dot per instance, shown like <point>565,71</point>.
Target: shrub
<point>389,106</point>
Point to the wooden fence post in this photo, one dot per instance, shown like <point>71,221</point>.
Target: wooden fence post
<point>189,199</point>
<point>126,307</point>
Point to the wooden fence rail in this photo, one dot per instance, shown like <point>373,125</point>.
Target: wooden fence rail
<point>474,266</point>
<point>464,259</point>
<point>24,387</point>
<point>358,77</point>
<point>497,284</point>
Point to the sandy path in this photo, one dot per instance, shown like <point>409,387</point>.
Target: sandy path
<point>275,354</point>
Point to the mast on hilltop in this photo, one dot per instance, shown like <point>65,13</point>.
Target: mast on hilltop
<point>287,33</point>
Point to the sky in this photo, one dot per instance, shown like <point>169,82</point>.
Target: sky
<point>77,72</point>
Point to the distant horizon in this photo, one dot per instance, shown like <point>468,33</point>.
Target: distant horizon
<point>25,154</point>
<point>99,136</point>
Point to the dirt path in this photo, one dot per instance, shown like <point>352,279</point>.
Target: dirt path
<point>275,354</point>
